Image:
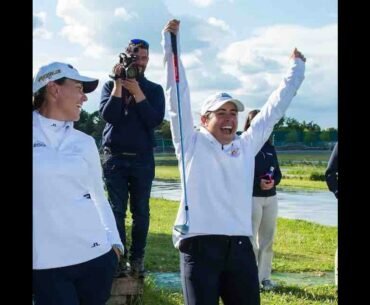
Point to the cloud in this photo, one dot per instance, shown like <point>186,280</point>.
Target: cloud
<point>39,30</point>
<point>91,22</point>
<point>121,12</point>
<point>202,3</point>
<point>110,27</point>
<point>216,57</point>
<point>39,20</point>
<point>219,23</point>
<point>260,61</point>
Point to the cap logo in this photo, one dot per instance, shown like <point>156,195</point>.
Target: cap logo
<point>225,95</point>
<point>48,75</point>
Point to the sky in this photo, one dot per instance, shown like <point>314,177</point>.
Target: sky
<point>241,47</point>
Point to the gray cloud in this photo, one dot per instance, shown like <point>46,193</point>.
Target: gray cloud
<point>39,30</point>
<point>37,21</point>
<point>248,67</point>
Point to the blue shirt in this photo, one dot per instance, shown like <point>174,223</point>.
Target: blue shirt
<point>266,158</point>
<point>130,127</point>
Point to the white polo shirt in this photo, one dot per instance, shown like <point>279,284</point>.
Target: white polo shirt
<point>219,179</point>
<point>72,219</point>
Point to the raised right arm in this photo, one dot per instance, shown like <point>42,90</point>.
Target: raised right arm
<point>171,91</point>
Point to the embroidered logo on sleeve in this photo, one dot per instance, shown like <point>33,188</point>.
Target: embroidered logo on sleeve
<point>39,144</point>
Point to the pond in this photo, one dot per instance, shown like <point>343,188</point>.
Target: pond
<point>315,206</point>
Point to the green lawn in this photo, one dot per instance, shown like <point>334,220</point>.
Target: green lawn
<point>299,246</point>
<point>296,176</point>
<point>283,156</point>
<point>298,168</point>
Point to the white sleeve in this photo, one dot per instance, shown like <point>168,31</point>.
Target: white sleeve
<point>98,196</point>
<point>171,97</point>
<point>273,110</point>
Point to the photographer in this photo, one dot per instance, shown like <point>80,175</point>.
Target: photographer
<point>132,107</point>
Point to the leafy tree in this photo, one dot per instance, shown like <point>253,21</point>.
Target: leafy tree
<point>324,136</point>
<point>80,124</point>
<point>292,136</point>
<point>309,137</point>
<point>280,125</point>
<point>292,123</point>
<point>91,124</point>
<point>164,130</point>
<point>311,126</point>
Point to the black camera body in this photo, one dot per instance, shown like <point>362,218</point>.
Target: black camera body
<point>130,70</point>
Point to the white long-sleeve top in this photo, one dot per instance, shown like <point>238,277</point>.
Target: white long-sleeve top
<point>219,179</point>
<point>72,219</point>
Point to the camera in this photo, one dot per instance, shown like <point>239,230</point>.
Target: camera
<point>130,70</point>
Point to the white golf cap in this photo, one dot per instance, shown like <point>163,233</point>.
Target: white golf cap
<point>57,70</point>
<point>215,101</point>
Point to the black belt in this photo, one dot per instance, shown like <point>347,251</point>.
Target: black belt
<point>107,150</point>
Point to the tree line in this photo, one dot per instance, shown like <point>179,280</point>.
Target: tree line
<point>287,130</point>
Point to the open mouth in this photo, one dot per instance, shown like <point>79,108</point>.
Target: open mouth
<point>79,107</point>
<point>227,129</point>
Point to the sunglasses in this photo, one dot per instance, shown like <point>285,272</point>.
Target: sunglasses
<point>139,43</point>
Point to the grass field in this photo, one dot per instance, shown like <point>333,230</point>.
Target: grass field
<point>297,168</point>
<point>293,176</point>
<point>283,156</point>
<point>299,246</point>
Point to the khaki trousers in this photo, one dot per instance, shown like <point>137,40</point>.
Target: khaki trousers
<point>264,216</point>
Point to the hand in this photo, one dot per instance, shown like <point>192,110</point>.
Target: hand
<point>117,69</point>
<point>133,87</point>
<point>172,26</point>
<point>118,252</point>
<point>266,185</point>
<point>117,88</point>
<point>297,54</point>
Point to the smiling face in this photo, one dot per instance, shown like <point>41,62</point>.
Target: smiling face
<point>69,98</point>
<point>222,123</point>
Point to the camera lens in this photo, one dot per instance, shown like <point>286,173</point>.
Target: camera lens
<point>131,72</point>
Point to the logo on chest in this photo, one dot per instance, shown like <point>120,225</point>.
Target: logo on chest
<point>39,144</point>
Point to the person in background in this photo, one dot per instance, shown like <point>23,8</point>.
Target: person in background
<point>213,227</point>
<point>331,177</point>
<point>331,172</point>
<point>267,175</point>
<point>76,245</point>
<point>132,107</point>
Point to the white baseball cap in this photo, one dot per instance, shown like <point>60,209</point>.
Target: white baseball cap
<point>215,101</point>
<point>57,70</point>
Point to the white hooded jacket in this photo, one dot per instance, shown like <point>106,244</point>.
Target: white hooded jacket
<point>72,219</point>
<point>219,184</point>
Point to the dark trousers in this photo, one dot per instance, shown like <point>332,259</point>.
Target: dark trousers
<point>130,176</point>
<point>88,283</point>
<point>214,266</point>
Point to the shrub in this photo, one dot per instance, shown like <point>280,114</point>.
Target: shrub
<point>316,176</point>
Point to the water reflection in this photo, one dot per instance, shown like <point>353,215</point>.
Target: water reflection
<point>315,206</point>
